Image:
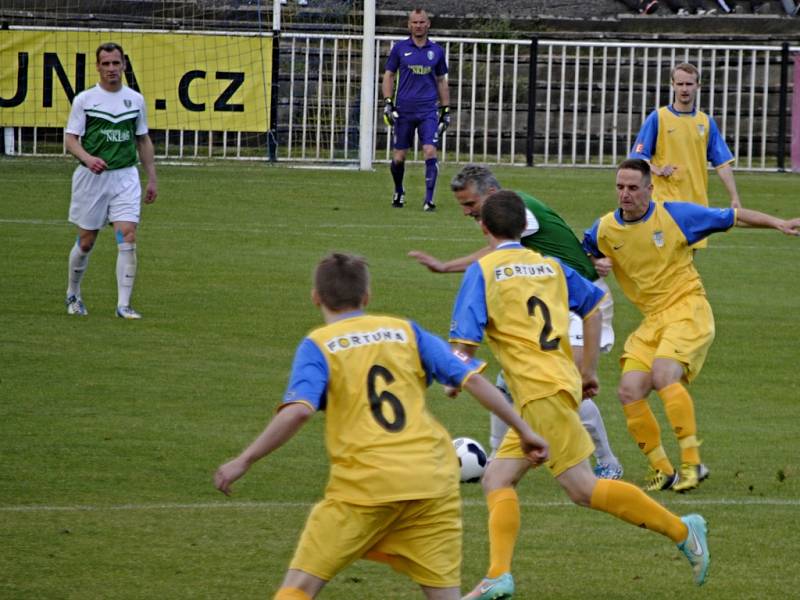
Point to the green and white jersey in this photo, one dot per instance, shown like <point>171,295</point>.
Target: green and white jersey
<point>108,123</point>
<point>548,234</point>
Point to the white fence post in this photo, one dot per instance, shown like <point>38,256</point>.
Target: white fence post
<point>8,140</point>
<point>368,82</point>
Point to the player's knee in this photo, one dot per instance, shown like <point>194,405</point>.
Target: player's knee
<point>125,236</point>
<point>498,476</point>
<point>580,495</point>
<point>85,240</point>
<point>628,393</point>
<point>665,377</point>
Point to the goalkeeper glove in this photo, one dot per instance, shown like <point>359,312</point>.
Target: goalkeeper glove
<point>390,114</point>
<point>444,119</point>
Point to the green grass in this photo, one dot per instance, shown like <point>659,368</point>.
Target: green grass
<point>110,431</point>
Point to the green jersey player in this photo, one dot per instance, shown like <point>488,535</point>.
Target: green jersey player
<point>107,127</point>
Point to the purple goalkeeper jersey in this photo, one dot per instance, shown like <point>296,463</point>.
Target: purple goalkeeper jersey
<point>418,69</point>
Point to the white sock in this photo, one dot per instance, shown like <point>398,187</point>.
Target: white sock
<point>498,430</point>
<point>498,427</point>
<point>126,272</point>
<point>78,260</point>
<point>593,422</point>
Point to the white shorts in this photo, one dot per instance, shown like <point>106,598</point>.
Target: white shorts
<point>111,196</point>
<point>607,317</point>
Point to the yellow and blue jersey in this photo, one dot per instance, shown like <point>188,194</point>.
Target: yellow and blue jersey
<point>521,301</point>
<point>689,140</point>
<point>369,373</point>
<point>652,257</point>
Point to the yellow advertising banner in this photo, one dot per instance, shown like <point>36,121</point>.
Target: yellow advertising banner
<point>189,81</point>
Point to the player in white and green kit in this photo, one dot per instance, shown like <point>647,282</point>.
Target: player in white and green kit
<point>106,130</point>
<point>548,234</point>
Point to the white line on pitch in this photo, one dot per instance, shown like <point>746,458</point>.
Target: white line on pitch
<point>272,505</point>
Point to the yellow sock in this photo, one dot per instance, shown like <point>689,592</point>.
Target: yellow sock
<point>629,503</point>
<point>286,593</point>
<point>504,523</point>
<point>644,429</point>
<point>679,407</point>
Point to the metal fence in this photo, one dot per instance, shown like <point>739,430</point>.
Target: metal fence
<point>514,102</point>
<point>597,96</point>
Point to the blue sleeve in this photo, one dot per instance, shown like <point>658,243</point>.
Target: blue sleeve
<point>393,62</point>
<point>645,144</point>
<point>439,361</point>
<point>470,315</point>
<point>698,222</point>
<point>441,66</point>
<point>309,379</point>
<point>718,152</point>
<point>584,296</point>
<point>590,241</point>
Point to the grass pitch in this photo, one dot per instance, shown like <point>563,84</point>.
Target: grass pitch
<point>110,430</point>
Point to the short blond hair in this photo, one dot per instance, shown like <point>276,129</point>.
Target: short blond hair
<point>686,68</point>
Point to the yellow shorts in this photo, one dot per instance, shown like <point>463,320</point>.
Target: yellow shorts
<point>556,419</point>
<point>683,332</point>
<point>420,538</point>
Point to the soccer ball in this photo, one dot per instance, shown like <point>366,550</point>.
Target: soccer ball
<point>471,458</point>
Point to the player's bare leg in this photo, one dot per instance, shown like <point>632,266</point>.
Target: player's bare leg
<point>431,593</point>
<point>299,585</point>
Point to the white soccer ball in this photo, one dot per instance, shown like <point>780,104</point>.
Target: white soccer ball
<point>472,459</point>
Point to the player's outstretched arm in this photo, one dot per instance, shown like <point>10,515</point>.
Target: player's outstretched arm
<point>534,446</point>
<point>279,430</point>
<point>725,173</point>
<point>753,218</point>
<point>456,265</point>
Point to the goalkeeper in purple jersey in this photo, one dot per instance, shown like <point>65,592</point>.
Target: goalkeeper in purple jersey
<point>416,99</point>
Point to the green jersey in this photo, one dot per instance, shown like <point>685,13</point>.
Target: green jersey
<point>108,123</point>
<point>550,235</point>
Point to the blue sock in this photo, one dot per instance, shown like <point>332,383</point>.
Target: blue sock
<point>398,170</point>
<point>431,171</point>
